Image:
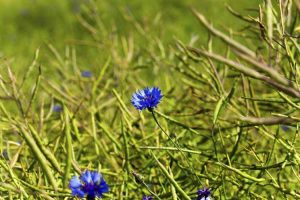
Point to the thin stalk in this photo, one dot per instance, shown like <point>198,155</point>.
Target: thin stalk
<point>175,143</point>
<point>141,181</point>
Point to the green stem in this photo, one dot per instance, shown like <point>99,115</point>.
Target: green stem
<point>175,144</point>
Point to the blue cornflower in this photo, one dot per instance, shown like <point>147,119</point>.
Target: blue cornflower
<point>86,74</point>
<point>147,98</point>
<point>147,198</point>
<point>285,128</point>
<point>203,194</point>
<point>90,184</point>
<point>57,108</point>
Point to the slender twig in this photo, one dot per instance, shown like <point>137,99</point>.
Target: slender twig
<point>247,71</point>
<point>175,143</point>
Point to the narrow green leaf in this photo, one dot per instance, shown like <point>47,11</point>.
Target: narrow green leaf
<point>171,179</point>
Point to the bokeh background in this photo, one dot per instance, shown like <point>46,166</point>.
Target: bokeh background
<point>29,24</point>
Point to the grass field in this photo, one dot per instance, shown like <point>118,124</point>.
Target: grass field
<point>227,123</point>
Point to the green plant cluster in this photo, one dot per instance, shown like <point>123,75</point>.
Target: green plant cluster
<point>230,108</point>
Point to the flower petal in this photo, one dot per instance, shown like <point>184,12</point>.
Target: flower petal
<point>86,177</point>
<point>74,182</point>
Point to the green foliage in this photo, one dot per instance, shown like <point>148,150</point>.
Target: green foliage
<point>228,120</point>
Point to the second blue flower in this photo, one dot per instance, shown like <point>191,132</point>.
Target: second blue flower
<point>90,184</point>
<point>147,98</point>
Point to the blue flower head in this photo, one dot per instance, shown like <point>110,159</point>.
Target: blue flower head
<point>147,198</point>
<point>147,98</point>
<point>57,108</point>
<point>285,128</point>
<point>203,194</point>
<point>90,184</point>
<point>86,74</point>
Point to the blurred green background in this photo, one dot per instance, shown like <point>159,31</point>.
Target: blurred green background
<point>136,39</point>
<point>29,24</point>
